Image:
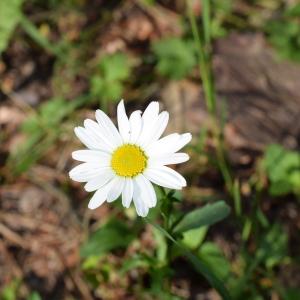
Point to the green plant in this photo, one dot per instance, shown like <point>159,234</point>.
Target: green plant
<point>282,167</point>
<point>175,57</point>
<point>175,225</point>
<point>10,15</point>
<point>11,290</point>
<point>107,84</point>
<point>284,33</point>
<point>113,235</point>
<point>221,13</point>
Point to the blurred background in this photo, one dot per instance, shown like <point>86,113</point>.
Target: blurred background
<point>61,60</point>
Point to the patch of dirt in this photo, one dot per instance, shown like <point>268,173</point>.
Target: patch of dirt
<point>39,238</point>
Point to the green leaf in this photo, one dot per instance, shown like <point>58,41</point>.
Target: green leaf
<point>176,57</point>
<point>204,216</point>
<point>201,267</point>
<point>115,67</point>
<point>193,238</point>
<point>113,235</point>
<point>293,11</point>
<point>284,32</point>
<point>137,261</point>
<point>10,14</point>
<point>161,246</point>
<point>34,296</point>
<point>54,110</point>
<point>283,169</point>
<point>10,291</point>
<point>91,262</point>
<point>273,246</point>
<point>291,294</point>
<point>212,255</point>
<point>108,82</point>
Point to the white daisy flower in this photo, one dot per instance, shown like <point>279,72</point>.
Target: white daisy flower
<point>128,161</point>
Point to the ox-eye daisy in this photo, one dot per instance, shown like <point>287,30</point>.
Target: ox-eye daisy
<point>126,161</point>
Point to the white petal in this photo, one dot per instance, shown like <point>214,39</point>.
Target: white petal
<point>184,139</point>
<point>166,177</point>
<point>135,121</point>
<point>140,203</point>
<point>100,158</point>
<point>109,128</point>
<point>99,181</point>
<point>99,135</point>
<point>86,171</point>
<point>147,190</point>
<point>168,144</point>
<point>86,138</point>
<point>100,196</point>
<point>149,118</point>
<point>123,122</point>
<point>168,159</point>
<point>116,189</point>
<point>163,145</point>
<point>157,129</point>
<point>151,111</point>
<point>127,192</point>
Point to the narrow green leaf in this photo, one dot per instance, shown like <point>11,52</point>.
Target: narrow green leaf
<point>204,216</point>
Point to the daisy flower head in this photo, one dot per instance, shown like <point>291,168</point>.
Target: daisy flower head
<point>127,161</point>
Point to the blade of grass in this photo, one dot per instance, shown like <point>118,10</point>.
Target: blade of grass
<point>203,62</point>
<point>37,37</point>
<point>237,197</point>
<point>206,22</point>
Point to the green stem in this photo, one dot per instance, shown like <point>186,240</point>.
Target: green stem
<point>204,67</point>
<point>206,21</point>
<point>206,73</point>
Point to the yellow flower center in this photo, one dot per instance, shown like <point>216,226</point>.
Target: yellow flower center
<point>129,160</point>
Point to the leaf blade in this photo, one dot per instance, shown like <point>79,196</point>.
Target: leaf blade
<point>204,216</point>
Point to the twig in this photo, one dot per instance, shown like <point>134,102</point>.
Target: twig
<point>12,236</point>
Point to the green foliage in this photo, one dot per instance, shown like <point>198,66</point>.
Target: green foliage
<point>115,234</point>
<point>34,296</point>
<point>10,291</point>
<point>10,14</point>
<point>161,246</point>
<point>199,266</point>
<point>222,10</point>
<point>283,170</point>
<point>212,255</point>
<point>291,294</point>
<point>273,246</point>
<point>284,33</point>
<point>175,57</point>
<point>204,216</point>
<point>194,237</point>
<point>137,261</point>
<point>107,84</point>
